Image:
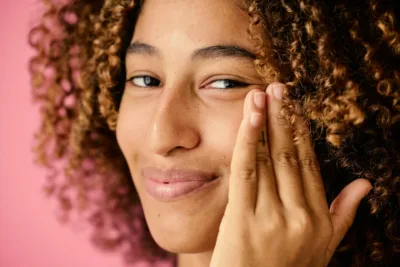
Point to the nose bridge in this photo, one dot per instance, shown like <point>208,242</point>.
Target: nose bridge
<point>172,124</point>
<point>172,101</point>
<point>171,104</point>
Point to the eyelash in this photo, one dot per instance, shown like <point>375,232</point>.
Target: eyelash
<point>151,79</point>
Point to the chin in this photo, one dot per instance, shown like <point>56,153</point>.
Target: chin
<point>187,226</point>
<point>188,241</point>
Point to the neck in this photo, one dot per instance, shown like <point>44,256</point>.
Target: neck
<point>194,260</point>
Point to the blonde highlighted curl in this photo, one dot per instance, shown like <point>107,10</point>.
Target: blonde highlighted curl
<point>340,61</point>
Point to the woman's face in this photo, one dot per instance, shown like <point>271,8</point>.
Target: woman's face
<point>182,111</point>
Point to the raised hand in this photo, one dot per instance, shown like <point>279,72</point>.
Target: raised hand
<point>277,214</point>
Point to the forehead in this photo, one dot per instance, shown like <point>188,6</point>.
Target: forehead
<point>198,21</point>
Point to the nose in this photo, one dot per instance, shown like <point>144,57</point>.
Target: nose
<point>174,123</point>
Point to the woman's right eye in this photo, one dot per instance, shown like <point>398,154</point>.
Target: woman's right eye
<point>144,81</point>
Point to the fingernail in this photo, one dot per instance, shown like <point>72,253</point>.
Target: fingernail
<point>278,91</point>
<point>259,99</point>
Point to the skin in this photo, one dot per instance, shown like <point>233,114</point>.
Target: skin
<point>212,115</point>
<point>152,132</point>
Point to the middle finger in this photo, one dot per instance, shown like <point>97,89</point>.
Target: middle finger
<point>283,151</point>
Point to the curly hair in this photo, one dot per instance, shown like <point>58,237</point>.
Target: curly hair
<point>339,60</point>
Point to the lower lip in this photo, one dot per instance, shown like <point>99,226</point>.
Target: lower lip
<point>174,191</point>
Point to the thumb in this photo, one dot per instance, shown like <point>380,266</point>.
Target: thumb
<point>343,211</point>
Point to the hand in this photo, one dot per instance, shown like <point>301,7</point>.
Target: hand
<point>277,213</point>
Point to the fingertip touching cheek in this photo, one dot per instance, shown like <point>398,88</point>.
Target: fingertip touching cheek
<point>189,67</point>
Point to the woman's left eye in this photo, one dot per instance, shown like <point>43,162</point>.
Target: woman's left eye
<point>226,84</point>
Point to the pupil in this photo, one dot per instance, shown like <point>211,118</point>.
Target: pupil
<point>147,80</point>
<point>228,83</point>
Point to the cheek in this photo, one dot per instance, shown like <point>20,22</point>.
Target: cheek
<point>222,133</point>
<point>129,131</point>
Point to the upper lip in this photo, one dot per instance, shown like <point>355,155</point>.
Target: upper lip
<point>175,175</point>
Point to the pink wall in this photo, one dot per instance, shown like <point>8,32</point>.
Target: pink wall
<point>30,235</point>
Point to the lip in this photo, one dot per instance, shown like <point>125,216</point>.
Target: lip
<point>173,184</point>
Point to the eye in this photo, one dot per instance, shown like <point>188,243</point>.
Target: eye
<point>144,81</point>
<point>226,84</point>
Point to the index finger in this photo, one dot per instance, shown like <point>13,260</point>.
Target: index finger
<point>243,175</point>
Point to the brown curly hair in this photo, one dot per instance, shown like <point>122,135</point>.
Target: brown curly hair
<point>340,61</point>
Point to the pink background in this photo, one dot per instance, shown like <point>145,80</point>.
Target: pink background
<point>30,235</point>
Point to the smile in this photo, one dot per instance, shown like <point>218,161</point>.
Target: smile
<point>173,191</point>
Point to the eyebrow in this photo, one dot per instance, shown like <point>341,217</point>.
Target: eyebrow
<point>215,51</point>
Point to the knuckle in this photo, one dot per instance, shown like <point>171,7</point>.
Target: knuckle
<point>276,221</point>
<point>287,156</point>
<point>310,162</point>
<point>280,121</point>
<point>302,224</point>
<point>263,157</point>
<point>247,174</point>
<point>249,143</point>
